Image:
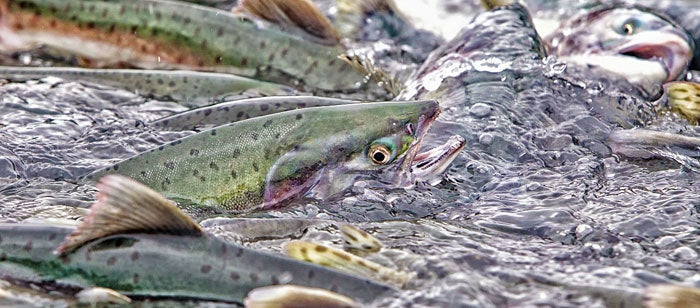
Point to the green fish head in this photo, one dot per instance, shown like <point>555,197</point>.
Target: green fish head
<point>383,140</point>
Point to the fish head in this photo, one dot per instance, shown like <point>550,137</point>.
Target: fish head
<point>628,41</point>
<point>351,142</point>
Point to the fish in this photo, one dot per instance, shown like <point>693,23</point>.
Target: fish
<point>339,259</point>
<point>242,109</point>
<point>138,243</point>
<point>684,98</point>
<point>644,47</point>
<point>267,161</point>
<point>671,296</point>
<point>291,296</point>
<point>356,239</point>
<point>189,88</point>
<point>171,34</point>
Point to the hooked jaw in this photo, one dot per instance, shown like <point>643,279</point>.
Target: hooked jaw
<point>428,165</point>
<point>668,47</point>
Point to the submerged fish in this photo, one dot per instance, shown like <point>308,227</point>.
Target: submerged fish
<point>170,34</point>
<point>186,87</point>
<point>139,244</point>
<point>265,161</point>
<point>644,47</point>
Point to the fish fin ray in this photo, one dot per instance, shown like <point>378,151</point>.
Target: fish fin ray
<point>126,206</point>
<point>300,14</point>
<point>684,97</point>
<point>366,67</point>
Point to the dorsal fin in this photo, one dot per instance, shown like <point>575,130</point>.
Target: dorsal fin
<point>492,4</point>
<point>126,206</point>
<point>300,14</point>
<point>376,74</point>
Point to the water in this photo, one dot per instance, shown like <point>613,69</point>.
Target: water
<point>535,211</point>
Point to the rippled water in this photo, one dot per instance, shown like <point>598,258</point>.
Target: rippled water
<point>535,211</point>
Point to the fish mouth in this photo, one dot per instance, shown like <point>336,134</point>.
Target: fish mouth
<point>672,50</point>
<point>430,164</point>
<point>404,176</point>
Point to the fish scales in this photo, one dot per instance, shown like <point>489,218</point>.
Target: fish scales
<point>226,168</point>
<point>142,264</point>
<point>187,34</point>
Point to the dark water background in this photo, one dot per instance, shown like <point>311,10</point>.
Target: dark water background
<point>532,212</point>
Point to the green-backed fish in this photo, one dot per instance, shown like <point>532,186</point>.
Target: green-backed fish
<point>171,34</point>
<point>266,161</point>
<point>190,88</point>
<point>237,110</point>
<point>137,243</point>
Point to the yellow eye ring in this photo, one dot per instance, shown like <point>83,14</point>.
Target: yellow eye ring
<point>628,28</point>
<point>379,155</point>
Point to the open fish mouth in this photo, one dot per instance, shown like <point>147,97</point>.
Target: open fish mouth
<point>671,50</point>
<point>430,164</point>
<point>404,176</point>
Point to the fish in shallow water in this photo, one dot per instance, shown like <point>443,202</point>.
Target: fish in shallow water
<point>189,88</point>
<point>171,34</point>
<point>644,47</point>
<point>138,243</point>
<point>265,161</point>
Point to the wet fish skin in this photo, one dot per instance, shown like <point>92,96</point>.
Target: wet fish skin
<point>266,161</point>
<point>161,33</point>
<point>143,253</point>
<point>190,88</point>
<point>232,111</point>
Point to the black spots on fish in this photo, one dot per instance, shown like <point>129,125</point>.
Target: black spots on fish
<point>219,59</point>
<point>52,237</point>
<point>111,261</point>
<point>197,31</point>
<point>28,246</point>
<point>195,172</point>
<point>176,142</point>
<point>234,175</point>
<point>185,80</point>
<point>158,15</point>
<point>267,154</point>
<point>255,136</point>
<point>90,25</point>
<point>301,105</point>
<point>207,112</point>
<point>136,278</point>
<point>320,249</point>
<point>214,166</point>
<point>256,167</point>
<point>143,174</point>
<point>271,57</point>
<point>202,179</point>
<point>134,29</point>
<point>160,148</point>
<point>107,169</point>
<point>3,256</point>
<point>239,253</point>
<point>277,136</point>
<point>274,280</point>
<point>1,238</point>
<point>160,81</point>
<point>309,69</point>
<point>253,277</point>
<point>88,255</point>
<point>166,182</point>
<point>337,254</point>
<point>206,269</point>
<point>352,237</point>
<point>310,275</point>
<point>65,259</point>
<point>122,10</point>
<point>264,107</point>
<point>236,153</point>
<point>213,132</point>
<point>284,52</point>
<point>186,20</point>
<point>263,44</point>
<point>134,256</point>
<point>194,152</point>
<point>203,44</point>
<point>299,116</point>
<point>234,276</point>
<point>334,288</point>
<point>240,114</point>
<point>169,164</point>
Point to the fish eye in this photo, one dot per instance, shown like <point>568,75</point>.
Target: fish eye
<point>379,154</point>
<point>630,26</point>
